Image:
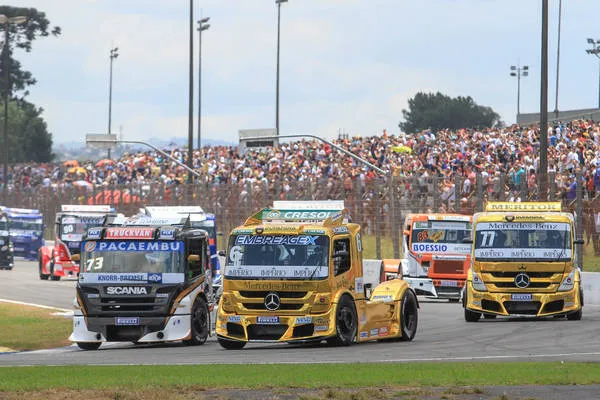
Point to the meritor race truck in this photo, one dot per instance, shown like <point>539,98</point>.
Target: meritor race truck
<point>436,257</point>
<point>523,263</point>
<point>296,275</point>
<point>73,220</point>
<point>6,247</point>
<point>144,281</point>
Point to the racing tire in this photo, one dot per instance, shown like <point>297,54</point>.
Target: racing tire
<point>200,323</point>
<point>576,315</point>
<point>471,316</point>
<point>52,276</point>
<point>43,276</point>
<point>228,344</point>
<point>489,316</point>
<point>346,323</point>
<point>89,345</point>
<point>409,316</point>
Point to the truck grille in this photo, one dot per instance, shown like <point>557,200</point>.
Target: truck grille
<point>522,307</point>
<point>447,267</point>
<point>532,285</point>
<point>512,274</point>
<point>262,294</point>
<point>266,332</point>
<point>282,306</point>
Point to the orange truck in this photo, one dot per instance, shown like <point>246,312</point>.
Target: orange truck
<point>436,254</point>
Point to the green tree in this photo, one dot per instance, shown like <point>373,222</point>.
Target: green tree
<point>21,36</point>
<point>28,136</point>
<point>29,139</point>
<point>438,111</point>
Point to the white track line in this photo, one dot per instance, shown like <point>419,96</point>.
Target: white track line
<point>62,310</point>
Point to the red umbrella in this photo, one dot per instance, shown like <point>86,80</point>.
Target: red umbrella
<point>105,161</point>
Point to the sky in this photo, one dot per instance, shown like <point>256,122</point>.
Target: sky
<point>346,66</point>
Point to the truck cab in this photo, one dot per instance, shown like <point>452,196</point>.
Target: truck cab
<point>523,263</point>
<point>73,220</point>
<point>26,231</point>
<point>436,253</point>
<point>198,219</point>
<point>296,275</point>
<point>6,247</point>
<point>143,281</point>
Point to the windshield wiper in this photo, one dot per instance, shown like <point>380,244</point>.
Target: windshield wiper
<point>314,272</point>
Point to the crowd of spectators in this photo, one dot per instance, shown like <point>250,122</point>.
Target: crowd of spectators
<point>512,152</point>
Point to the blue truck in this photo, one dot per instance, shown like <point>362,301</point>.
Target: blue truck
<point>26,231</point>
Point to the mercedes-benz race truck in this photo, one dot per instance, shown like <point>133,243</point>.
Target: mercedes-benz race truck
<point>523,263</point>
<point>436,257</point>
<point>296,275</point>
<point>6,246</point>
<point>145,281</point>
<point>62,259</point>
<point>198,219</point>
<point>26,231</point>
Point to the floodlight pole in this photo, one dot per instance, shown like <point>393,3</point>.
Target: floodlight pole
<point>88,141</point>
<point>349,153</point>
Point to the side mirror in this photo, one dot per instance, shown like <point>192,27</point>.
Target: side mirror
<point>193,257</point>
<point>578,241</point>
<point>76,257</point>
<point>221,253</point>
<point>368,290</point>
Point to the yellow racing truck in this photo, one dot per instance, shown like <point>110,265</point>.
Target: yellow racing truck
<point>296,275</point>
<point>523,263</point>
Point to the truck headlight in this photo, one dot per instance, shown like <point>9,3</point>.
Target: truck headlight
<point>477,282</point>
<point>568,283</point>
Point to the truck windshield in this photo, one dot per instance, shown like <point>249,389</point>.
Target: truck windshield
<point>278,257</point>
<point>132,256</point>
<point>208,226</point>
<point>26,224</point>
<point>72,228</point>
<point>441,237</point>
<point>523,241</point>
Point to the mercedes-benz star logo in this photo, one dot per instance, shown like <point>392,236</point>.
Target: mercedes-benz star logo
<point>272,301</point>
<point>522,280</point>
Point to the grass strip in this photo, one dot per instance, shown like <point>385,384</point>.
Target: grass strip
<point>310,376</point>
<point>31,328</point>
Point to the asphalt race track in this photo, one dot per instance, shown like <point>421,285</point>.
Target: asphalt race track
<point>443,335</point>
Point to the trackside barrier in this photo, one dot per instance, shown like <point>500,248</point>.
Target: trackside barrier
<point>591,288</point>
<point>372,272</point>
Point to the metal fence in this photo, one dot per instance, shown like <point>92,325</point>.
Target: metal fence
<point>379,205</point>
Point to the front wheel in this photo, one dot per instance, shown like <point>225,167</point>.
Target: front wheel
<point>346,324</point>
<point>52,276</point>
<point>199,322</point>
<point>89,345</point>
<point>409,316</point>
<point>576,315</point>
<point>231,344</point>
<point>43,276</point>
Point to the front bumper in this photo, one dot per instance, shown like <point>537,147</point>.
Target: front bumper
<point>6,259</point>
<point>146,330</point>
<point>274,328</point>
<point>66,268</point>
<point>528,304</point>
<point>422,286</point>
